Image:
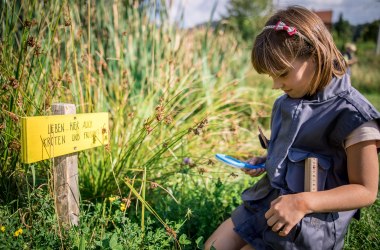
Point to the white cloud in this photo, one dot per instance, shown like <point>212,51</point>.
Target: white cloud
<point>197,11</point>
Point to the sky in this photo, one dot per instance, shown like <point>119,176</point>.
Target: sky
<point>355,11</point>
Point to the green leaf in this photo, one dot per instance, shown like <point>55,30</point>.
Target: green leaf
<point>183,240</point>
<point>114,242</point>
<point>82,243</point>
<point>199,241</point>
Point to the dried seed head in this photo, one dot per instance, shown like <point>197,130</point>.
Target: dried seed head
<point>5,86</point>
<point>199,127</point>
<point>67,21</point>
<point>233,175</point>
<point>171,232</point>
<point>168,119</point>
<point>13,83</point>
<point>148,128</point>
<point>47,102</point>
<point>127,202</point>
<point>28,24</point>
<point>210,162</point>
<point>20,101</point>
<point>37,50</point>
<point>13,116</point>
<point>203,123</point>
<point>153,185</point>
<point>197,131</point>
<point>66,77</point>
<point>159,116</point>
<point>202,171</point>
<point>192,165</point>
<point>79,34</point>
<point>31,42</point>
<point>14,146</point>
<point>160,112</point>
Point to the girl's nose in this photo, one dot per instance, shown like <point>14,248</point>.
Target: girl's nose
<point>277,84</point>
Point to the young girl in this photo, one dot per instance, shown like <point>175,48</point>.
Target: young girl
<point>320,115</point>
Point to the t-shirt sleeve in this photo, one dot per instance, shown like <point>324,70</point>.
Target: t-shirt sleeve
<point>366,132</point>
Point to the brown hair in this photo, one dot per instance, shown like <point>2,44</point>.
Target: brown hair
<point>274,51</point>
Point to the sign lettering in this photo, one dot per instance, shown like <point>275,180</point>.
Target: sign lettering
<point>45,137</point>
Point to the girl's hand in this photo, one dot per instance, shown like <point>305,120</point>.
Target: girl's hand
<point>285,212</point>
<point>253,172</point>
<point>254,161</point>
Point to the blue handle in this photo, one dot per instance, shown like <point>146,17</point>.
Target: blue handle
<point>237,163</point>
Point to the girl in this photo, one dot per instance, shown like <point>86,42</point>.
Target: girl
<point>320,115</point>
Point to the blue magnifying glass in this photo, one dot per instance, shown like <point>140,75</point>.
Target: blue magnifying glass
<point>233,162</point>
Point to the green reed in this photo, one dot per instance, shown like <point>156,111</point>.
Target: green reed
<point>170,93</point>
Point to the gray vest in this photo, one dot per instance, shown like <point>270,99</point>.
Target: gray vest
<point>313,127</point>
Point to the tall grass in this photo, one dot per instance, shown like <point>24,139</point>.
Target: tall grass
<point>175,98</point>
<point>171,95</point>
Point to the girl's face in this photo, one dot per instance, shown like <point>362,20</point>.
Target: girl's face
<point>296,82</point>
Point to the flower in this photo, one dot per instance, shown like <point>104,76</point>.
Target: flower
<point>187,161</point>
<point>2,229</point>
<point>112,198</point>
<point>18,232</point>
<point>123,207</point>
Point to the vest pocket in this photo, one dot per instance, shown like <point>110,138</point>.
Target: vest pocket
<point>295,172</point>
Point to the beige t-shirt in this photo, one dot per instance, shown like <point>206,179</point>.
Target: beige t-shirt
<point>366,132</point>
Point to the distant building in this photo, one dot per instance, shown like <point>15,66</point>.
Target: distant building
<point>326,17</point>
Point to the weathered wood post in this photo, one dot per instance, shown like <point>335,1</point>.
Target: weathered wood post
<point>66,189</point>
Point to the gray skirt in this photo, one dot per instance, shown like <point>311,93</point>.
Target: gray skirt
<point>315,231</point>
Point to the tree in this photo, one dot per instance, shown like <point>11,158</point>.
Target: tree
<point>343,29</point>
<point>370,31</point>
<point>248,16</point>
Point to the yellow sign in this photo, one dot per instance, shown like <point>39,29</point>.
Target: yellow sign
<point>45,137</point>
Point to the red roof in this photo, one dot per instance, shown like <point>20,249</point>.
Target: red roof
<point>326,16</point>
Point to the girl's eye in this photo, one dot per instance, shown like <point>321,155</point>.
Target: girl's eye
<point>284,74</point>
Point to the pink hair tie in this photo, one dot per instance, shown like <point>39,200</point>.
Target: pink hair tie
<point>282,26</point>
<point>290,29</point>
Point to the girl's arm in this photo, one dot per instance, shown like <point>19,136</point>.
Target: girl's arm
<point>363,172</point>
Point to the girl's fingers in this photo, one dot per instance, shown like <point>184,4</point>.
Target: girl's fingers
<point>285,230</point>
<point>271,221</point>
<point>278,227</point>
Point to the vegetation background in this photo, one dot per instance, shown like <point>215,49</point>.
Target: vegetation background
<point>175,98</point>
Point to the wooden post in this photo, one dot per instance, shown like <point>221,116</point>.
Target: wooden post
<point>66,178</point>
<point>311,174</point>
